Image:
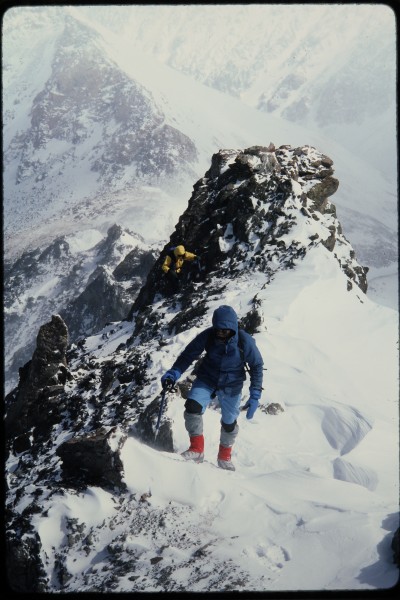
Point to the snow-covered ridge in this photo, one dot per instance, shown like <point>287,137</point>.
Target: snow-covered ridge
<point>142,519</point>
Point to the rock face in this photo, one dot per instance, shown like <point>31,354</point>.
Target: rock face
<point>93,459</point>
<point>41,380</point>
<point>145,427</point>
<point>25,572</point>
<point>247,211</point>
<point>108,295</point>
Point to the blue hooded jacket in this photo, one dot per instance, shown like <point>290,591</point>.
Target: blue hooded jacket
<point>223,364</point>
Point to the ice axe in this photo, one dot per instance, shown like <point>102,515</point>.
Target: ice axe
<point>162,406</point>
<point>160,412</point>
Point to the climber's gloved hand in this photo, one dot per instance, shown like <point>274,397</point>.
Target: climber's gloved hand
<point>169,379</point>
<point>252,403</point>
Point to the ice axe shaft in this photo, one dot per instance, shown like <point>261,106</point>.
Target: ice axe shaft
<point>167,389</point>
<point>160,412</point>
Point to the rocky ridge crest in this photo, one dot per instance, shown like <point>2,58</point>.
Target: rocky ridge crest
<point>257,210</point>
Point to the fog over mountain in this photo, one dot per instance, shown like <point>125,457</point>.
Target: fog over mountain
<point>111,113</point>
<point>325,66</point>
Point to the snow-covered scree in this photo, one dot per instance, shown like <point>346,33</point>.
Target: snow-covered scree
<point>313,503</point>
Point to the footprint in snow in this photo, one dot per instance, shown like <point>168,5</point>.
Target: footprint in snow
<point>276,556</point>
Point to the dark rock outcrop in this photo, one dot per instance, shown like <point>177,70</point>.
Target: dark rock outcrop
<point>25,571</point>
<point>252,320</point>
<point>93,459</point>
<point>146,427</point>
<point>41,378</point>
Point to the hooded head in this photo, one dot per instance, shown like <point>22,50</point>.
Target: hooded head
<point>179,251</point>
<point>224,317</point>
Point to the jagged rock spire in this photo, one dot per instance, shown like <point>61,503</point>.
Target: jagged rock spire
<point>40,379</point>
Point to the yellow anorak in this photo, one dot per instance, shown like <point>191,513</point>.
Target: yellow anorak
<point>179,260</point>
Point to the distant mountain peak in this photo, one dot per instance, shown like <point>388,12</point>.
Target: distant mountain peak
<point>89,131</point>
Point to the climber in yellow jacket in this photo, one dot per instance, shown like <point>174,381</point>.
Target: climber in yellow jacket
<point>173,263</point>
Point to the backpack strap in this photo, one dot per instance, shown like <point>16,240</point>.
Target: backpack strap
<point>170,253</point>
<point>240,346</point>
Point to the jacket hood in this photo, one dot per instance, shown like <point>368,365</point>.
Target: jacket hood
<point>224,317</point>
<point>179,251</point>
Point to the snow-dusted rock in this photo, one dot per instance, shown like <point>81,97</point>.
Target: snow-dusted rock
<point>90,279</point>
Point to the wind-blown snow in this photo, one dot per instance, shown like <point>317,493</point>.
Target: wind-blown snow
<point>83,240</point>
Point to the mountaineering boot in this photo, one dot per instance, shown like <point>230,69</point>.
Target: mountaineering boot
<point>226,441</point>
<point>224,458</point>
<point>196,449</point>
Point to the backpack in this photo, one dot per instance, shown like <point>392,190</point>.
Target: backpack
<point>170,253</point>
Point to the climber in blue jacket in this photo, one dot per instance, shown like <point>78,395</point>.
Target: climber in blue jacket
<point>221,374</point>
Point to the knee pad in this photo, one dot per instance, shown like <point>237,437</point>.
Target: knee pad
<point>193,407</point>
<point>228,428</point>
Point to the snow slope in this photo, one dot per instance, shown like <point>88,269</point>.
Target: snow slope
<point>315,493</point>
